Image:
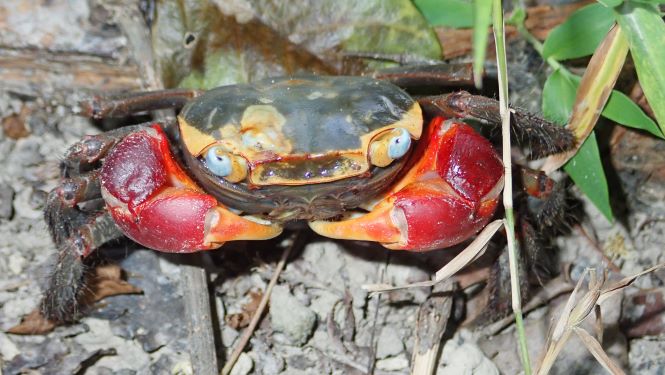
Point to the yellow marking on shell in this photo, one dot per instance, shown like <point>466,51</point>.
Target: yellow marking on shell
<point>412,121</point>
<point>378,149</point>
<point>195,140</point>
<point>261,129</point>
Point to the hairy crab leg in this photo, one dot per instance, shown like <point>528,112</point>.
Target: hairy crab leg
<point>543,137</point>
<point>99,107</point>
<point>75,190</point>
<point>68,279</point>
<point>76,222</point>
<point>449,193</point>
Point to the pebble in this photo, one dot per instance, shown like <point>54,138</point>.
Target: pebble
<point>398,363</point>
<point>8,349</point>
<point>389,344</point>
<point>16,263</point>
<point>243,366</point>
<point>291,317</point>
<point>6,200</point>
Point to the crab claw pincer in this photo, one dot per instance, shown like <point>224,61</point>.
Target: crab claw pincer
<point>156,204</point>
<point>449,193</point>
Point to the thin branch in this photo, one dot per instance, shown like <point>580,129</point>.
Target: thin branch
<point>259,311</point>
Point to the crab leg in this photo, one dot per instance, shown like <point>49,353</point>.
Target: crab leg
<point>99,107</point>
<point>156,204</point>
<point>543,137</point>
<point>449,193</point>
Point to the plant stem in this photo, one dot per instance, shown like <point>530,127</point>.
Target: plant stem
<point>499,38</point>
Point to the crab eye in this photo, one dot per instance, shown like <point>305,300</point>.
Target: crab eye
<point>224,164</point>
<point>399,144</point>
<point>389,146</point>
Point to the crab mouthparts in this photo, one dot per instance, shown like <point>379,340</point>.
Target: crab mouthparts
<point>308,169</point>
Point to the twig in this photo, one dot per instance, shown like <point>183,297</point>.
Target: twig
<point>197,306</point>
<point>259,311</point>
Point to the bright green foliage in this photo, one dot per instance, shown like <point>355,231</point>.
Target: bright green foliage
<point>586,167</point>
<point>622,110</point>
<point>586,171</point>
<point>580,34</point>
<point>610,3</point>
<point>451,13</point>
<point>646,34</point>
<point>482,10</point>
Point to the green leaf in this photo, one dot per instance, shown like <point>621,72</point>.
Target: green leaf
<point>611,3</point>
<point>452,13</point>
<point>580,34</point>
<point>559,96</point>
<point>646,34</point>
<point>585,168</point>
<point>621,109</point>
<point>482,11</point>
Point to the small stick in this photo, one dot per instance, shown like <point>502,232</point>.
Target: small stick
<point>259,311</point>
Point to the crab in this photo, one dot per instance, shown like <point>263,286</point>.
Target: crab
<point>357,158</point>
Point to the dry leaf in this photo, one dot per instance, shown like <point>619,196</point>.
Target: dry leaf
<point>33,324</point>
<point>242,319</point>
<point>107,281</point>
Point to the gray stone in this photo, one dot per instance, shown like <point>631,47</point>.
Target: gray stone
<point>6,200</point>
<point>389,343</point>
<point>243,366</point>
<point>291,317</point>
<point>399,363</point>
<point>647,356</point>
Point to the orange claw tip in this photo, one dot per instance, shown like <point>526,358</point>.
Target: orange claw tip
<point>222,225</point>
<point>374,226</point>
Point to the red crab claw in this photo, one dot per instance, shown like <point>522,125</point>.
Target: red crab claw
<point>156,204</point>
<point>449,193</point>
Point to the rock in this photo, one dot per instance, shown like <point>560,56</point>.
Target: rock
<point>6,201</point>
<point>646,356</point>
<point>8,349</point>
<point>16,263</point>
<point>243,366</point>
<point>460,356</point>
<point>389,343</point>
<point>399,363</point>
<point>291,317</point>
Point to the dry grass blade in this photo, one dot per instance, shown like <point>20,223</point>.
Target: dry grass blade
<point>597,350</point>
<point>626,281</point>
<point>475,249</point>
<point>577,311</point>
<point>595,88</point>
<point>570,304</point>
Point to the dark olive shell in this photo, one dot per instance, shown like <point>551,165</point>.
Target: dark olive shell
<point>318,114</point>
<point>306,142</point>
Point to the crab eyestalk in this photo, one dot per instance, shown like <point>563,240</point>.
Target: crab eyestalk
<point>224,164</point>
<point>448,195</point>
<point>389,146</point>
